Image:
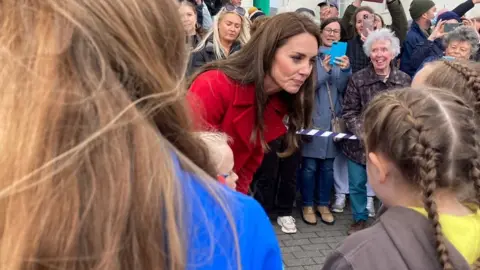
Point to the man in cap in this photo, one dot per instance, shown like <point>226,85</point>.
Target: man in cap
<point>421,41</point>
<point>328,9</point>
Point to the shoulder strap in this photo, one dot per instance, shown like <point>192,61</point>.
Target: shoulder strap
<point>332,107</point>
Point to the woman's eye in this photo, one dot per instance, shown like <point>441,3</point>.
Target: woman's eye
<point>296,59</point>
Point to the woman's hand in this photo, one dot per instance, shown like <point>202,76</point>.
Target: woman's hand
<point>469,23</point>
<point>343,62</point>
<point>326,63</point>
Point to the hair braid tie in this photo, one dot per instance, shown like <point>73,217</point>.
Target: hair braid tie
<point>427,160</point>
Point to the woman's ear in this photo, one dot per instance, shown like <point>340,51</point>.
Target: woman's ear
<point>380,166</point>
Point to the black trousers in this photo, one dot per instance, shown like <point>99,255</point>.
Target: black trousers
<point>274,183</point>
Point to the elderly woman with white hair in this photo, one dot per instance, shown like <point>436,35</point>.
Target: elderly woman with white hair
<point>381,75</point>
<point>460,44</point>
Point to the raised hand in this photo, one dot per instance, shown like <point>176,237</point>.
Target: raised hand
<point>437,31</point>
<point>326,63</point>
<point>343,62</point>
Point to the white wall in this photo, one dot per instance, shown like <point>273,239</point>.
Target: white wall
<point>292,5</point>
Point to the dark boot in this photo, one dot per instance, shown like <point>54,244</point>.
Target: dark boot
<point>357,226</point>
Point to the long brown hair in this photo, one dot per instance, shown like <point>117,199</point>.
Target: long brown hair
<point>433,140</point>
<point>198,28</point>
<point>254,61</point>
<point>354,17</point>
<point>87,180</point>
<point>461,77</point>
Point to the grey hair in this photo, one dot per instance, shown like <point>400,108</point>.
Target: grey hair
<point>463,34</point>
<point>382,34</point>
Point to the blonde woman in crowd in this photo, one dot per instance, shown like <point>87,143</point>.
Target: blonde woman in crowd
<point>91,178</point>
<point>230,31</point>
<point>423,161</point>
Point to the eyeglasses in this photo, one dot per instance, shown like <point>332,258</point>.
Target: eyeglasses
<point>331,31</point>
<point>231,8</point>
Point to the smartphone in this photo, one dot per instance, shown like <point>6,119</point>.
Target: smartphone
<point>449,27</point>
<point>368,23</point>
<point>338,49</point>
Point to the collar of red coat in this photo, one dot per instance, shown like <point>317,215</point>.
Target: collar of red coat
<point>247,98</point>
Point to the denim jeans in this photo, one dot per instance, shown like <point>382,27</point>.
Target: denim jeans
<point>357,179</point>
<point>317,181</point>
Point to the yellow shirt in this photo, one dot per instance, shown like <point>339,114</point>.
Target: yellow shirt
<point>462,231</point>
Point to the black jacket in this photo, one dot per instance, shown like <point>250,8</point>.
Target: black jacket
<point>214,6</point>
<point>206,55</point>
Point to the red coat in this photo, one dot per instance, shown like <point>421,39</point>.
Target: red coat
<point>228,106</point>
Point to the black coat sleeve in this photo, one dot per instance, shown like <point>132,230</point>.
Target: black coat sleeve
<point>463,8</point>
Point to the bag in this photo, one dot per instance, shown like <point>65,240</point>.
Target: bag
<point>338,124</point>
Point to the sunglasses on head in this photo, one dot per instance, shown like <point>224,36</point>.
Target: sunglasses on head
<point>239,10</point>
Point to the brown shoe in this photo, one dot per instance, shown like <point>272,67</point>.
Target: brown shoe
<point>357,226</point>
<point>325,215</point>
<point>308,215</point>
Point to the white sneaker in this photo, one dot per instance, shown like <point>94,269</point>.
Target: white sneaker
<point>288,224</point>
<point>339,204</point>
<point>370,207</point>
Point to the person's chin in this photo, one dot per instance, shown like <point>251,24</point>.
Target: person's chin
<point>292,90</point>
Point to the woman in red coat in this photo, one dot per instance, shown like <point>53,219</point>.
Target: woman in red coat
<point>250,94</point>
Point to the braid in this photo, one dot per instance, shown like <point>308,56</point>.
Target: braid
<point>475,177</point>
<point>427,160</point>
<point>473,81</point>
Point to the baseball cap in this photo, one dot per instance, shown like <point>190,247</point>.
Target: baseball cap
<point>328,2</point>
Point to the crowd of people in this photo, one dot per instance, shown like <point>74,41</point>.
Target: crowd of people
<point>165,134</point>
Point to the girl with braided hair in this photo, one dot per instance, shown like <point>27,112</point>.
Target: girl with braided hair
<point>462,77</point>
<point>423,161</point>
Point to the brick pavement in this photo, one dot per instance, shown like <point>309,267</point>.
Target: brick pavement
<point>308,248</point>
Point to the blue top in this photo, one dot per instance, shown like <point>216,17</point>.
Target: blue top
<point>337,79</point>
<point>417,48</point>
<point>211,241</point>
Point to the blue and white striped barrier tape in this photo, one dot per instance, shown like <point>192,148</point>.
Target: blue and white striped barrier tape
<point>319,133</point>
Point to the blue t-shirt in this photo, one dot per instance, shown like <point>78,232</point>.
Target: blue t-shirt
<point>211,242</point>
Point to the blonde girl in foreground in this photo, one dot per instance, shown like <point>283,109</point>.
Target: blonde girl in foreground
<point>423,162</point>
<point>91,180</point>
<point>222,156</point>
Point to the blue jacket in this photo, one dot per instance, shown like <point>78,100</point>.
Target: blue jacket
<point>417,48</point>
<point>337,79</point>
<point>211,245</point>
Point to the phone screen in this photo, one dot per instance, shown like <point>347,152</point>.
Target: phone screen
<point>449,27</point>
<point>368,23</point>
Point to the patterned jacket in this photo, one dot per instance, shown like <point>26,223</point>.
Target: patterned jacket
<point>362,88</point>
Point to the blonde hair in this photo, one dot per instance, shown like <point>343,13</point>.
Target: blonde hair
<point>218,49</point>
<point>215,141</point>
<point>433,140</point>
<point>87,180</point>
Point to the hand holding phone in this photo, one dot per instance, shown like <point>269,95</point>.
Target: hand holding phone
<point>338,50</point>
<point>326,63</point>
<point>343,62</point>
<point>368,24</point>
